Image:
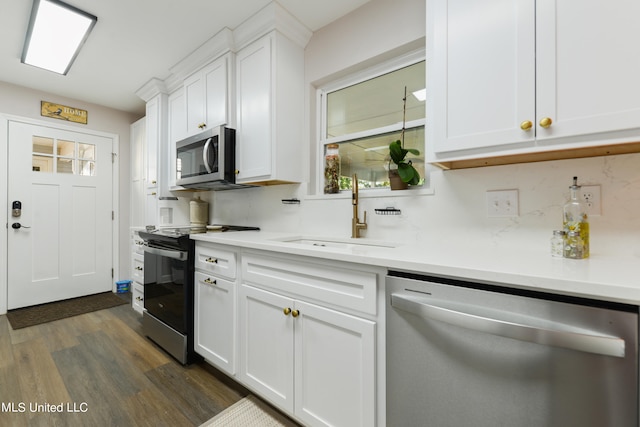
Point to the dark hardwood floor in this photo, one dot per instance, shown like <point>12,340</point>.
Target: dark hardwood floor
<point>101,371</point>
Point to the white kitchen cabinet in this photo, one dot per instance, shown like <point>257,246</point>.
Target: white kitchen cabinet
<point>302,346</point>
<point>207,96</point>
<point>154,121</point>
<point>215,322</point>
<point>137,272</point>
<point>530,77</point>
<point>315,362</point>
<point>137,172</point>
<point>269,110</point>
<point>177,130</point>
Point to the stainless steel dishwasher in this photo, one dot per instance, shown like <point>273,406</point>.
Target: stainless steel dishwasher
<point>465,354</point>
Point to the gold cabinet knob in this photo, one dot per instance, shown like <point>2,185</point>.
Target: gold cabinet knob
<point>209,281</point>
<point>526,125</point>
<point>545,122</point>
<point>202,125</point>
<point>286,311</point>
<point>295,313</point>
<point>212,260</point>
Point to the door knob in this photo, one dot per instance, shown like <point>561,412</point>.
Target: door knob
<point>17,225</point>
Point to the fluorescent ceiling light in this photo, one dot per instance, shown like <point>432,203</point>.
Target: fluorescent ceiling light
<point>56,33</point>
<point>421,94</point>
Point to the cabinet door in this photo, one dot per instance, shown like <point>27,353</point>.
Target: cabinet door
<point>177,131</point>
<point>481,73</point>
<point>214,321</point>
<point>194,98</point>
<point>587,71</point>
<point>207,97</point>
<point>215,78</point>
<point>266,345</point>
<point>254,107</point>
<point>334,368</point>
<point>153,123</point>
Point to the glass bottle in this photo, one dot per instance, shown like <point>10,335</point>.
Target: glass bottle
<point>574,246</point>
<point>557,243</point>
<point>332,169</point>
<point>575,219</point>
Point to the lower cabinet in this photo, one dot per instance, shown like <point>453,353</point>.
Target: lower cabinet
<point>214,320</point>
<point>303,333</point>
<point>317,363</point>
<point>137,272</point>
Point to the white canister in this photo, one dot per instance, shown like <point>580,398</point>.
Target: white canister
<point>198,212</point>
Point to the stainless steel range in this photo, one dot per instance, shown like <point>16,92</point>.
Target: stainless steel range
<point>169,290</point>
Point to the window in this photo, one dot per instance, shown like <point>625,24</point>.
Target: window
<point>362,115</point>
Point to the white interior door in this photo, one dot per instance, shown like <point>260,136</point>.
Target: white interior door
<point>60,246</point>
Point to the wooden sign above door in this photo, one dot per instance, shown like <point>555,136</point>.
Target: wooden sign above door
<point>62,112</point>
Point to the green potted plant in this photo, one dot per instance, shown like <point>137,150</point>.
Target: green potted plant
<point>404,174</point>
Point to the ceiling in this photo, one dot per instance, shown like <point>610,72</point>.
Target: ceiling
<point>135,41</point>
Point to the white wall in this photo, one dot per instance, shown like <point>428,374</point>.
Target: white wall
<point>456,212</point>
<point>24,102</point>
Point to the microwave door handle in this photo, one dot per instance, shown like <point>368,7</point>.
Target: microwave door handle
<point>205,156</point>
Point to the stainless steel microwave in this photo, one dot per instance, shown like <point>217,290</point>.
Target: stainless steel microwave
<point>207,161</point>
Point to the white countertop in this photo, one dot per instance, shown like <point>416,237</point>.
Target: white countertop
<point>599,277</point>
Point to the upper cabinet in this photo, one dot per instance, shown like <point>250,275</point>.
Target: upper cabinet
<point>250,79</point>
<point>511,81</point>
<point>270,105</point>
<point>207,96</point>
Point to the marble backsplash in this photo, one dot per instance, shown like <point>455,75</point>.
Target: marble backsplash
<point>455,214</point>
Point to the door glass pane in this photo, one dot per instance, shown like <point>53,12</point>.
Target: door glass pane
<point>86,151</point>
<point>66,148</point>
<point>86,167</point>
<point>42,145</point>
<point>65,165</point>
<point>42,163</point>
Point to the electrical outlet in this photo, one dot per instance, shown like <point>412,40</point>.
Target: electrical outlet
<point>591,198</point>
<point>502,203</point>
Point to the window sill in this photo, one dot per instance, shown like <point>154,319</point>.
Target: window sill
<point>374,193</point>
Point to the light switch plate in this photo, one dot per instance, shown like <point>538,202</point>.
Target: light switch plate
<point>502,203</point>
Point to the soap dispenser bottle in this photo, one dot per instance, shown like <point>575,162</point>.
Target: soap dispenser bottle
<point>576,225</point>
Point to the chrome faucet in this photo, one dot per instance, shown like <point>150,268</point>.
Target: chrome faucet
<point>356,225</point>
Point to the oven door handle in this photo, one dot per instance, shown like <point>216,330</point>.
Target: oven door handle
<point>556,334</point>
<point>205,155</point>
<point>179,255</point>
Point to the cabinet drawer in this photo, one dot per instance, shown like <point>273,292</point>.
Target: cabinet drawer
<point>137,244</point>
<point>339,286</point>
<point>137,267</point>
<point>216,260</point>
<point>137,297</point>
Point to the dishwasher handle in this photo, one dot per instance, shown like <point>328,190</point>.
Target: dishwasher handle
<point>557,337</point>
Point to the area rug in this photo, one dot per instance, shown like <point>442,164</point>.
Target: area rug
<point>30,316</point>
<point>249,412</point>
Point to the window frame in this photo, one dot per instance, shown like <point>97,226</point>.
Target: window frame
<point>322,140</point>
